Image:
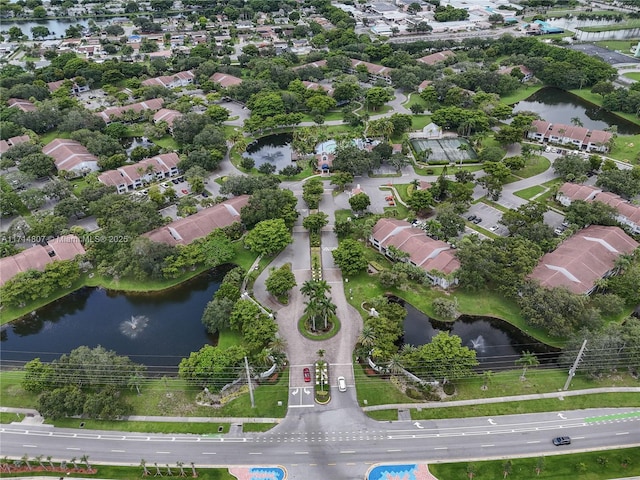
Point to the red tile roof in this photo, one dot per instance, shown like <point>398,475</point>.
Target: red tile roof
<point>19,103</point>
<point>436,57</point>
<point>372,68</point>
<point>115,112</point>
<point>186,230</point>
<point>166,115</point>
<point>583,258</point>
<point>318,64</point>
<point>225,80</point>
<point>38,257</point>
<point>69,155</point>
<point>167,80</point>
<point>5,145</point>
<point>576,191</point>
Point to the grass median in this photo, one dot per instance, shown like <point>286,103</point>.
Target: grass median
<point>600,465</point>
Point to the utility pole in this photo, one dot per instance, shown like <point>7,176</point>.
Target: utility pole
<point>572,370</point>
<point>246,364</point>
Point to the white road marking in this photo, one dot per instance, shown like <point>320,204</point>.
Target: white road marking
<point>394,450</point>
<point>117,451</point>
<point>622,433</point>
<point>441,448</point>
<point>255,453</point>
<point>489,445</point>
<point>30,446</point>
<point>347,451</point>
<point>534,441</point>
<point>208,453</point>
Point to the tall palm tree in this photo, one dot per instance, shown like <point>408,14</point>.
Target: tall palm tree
<point>85,459</point>
<point>311,310</point>
<point>181,467</point>
<point>527,360</point>
<point>278,345</point>
<point>326,308</point>
<point>395,364</point>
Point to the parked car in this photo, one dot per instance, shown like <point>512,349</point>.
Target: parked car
<point>175,181</point>
<point>185,191</point>
<point>307,374</point>
<point>471,218</point>
<point>494,228</point>
<point>477,220</point>
<point>562,441</point>
<point>342,384</point>
<point>205,195</point>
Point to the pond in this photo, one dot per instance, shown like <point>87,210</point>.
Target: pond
<point>155,329</point>
<point>57,27</point>
<point>497,343</point>
<point>559,106</point>
<point>274,149</point>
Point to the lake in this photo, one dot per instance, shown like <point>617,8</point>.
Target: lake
<point>56,27</point>
<point>497,343</point>
<point>559,106</point>
<point>274,149</point>
<point>155,329</point>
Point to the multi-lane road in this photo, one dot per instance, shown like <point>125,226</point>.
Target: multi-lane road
<point>312,443</point>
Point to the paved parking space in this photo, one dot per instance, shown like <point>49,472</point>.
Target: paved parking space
<point>490,217</point>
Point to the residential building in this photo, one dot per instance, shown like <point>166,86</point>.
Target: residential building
<point>130,177</point>
<point>201,224</point>
<point>376,72</point>
<point>318,64</point>
<point>180,79</point>
<point>112,114</point>
<point>21,104</point>
<point>626,213</point>
<point>71,156</point>
<point>580,137</point>
<point>584,258</point>
<point>528,74</point>
<point>5,145</point>
<point>225,80</point>
<point>75,88</point>
<point>435,257</point>
<point>318,86</point>
<point>436,57</point>
<point>166,115</point>
<point>39,256</point>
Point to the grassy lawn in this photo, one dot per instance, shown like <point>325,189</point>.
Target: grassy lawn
<point>418,122</point>
<point>167,142</point>
<point>598,400</point>
<point>520,94</point>
<point>118,473</point>
<point>379,111</point>
<point>377,391</point>
<point>196,428</point>
<point>535,166</point>
<point>52,135</point>
<point>413,99</point>
<point>626,148</point>
<point>257,427</point>
<point>586,466</point>
<point>437,169</point>
<point>527,193</point>
<point>633,76</point>
<point>618,45</point>
<point>229,338</point>
<point>629,23</point>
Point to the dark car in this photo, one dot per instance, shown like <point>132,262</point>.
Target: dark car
<point>471,218</point>
<point>477,220</point>
<point>205,195</point>
<point>175,181</point>
<point>562,441</point>
<point>307,374</point>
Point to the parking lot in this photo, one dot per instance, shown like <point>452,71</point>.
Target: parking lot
<point>489,217</point>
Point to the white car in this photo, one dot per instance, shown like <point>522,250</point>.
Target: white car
<point>342,384</point>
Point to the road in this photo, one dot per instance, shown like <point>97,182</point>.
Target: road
<point>314,443</point>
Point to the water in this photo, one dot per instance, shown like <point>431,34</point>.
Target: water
<point>56,27</point>
<point>274,149</point>
<point>498,344</point>
<point>559,106</point>
<point>155,329</point>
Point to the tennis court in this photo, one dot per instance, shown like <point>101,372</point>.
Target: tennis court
<point>444,149</point>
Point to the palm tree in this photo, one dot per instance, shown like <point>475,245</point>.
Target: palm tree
<point>193,470</point>
<point>73,462</point>
<point>539,465</point>
<point>426,153</point>
<point>49,461</point>
<point>367,337</point>
<point>158,472</point>
<point>278,345</point>
<point>311,310</point>
<point>145,470</point>
<point>4,464</point>
<point>395,364</point>
<point>39,460</point>
<point>181,467</point>
<point>577,122</point>
<point>85,459</point>
<point>326,308</point>
<point>320,353</point>
<point>527,360</point>
<point>169,472</point>
<point>25,459</point>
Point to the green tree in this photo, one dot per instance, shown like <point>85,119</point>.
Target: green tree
<point>527,360</point>
<point>359,202</point>
<point>420,201</point>
<point>341,179</point>
<point>212,367</point>
<point>268,237</point>
<point>376,97</point>
<point>280,281</point>
<point>571,167</point>
<point>350,257</point>
<point>216,314</point>
<point>37,164</point>
<point>444,358</point>
<point>315,222</point>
